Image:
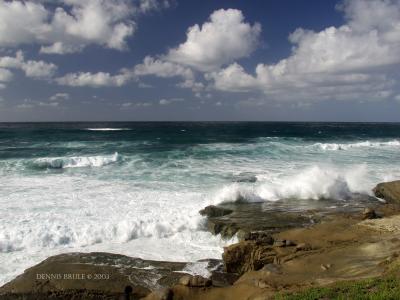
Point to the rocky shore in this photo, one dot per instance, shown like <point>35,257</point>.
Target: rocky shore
<point>280,254</point>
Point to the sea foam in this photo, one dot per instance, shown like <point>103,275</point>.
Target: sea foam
<point>75,161</point>
<point>364,144</point>
<point>315,183</point>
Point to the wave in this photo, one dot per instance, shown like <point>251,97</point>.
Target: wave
<point>312,183</point>
<point>50,234</point>
<point>76,161</point>
<point>347,146</point>
<point>107,129</point>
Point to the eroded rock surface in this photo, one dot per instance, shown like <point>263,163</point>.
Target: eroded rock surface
<point>390,191</point>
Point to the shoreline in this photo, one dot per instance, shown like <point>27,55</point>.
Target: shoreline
<point>276,251</point>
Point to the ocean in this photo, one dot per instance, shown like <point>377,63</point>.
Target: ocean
<point>136,188</point>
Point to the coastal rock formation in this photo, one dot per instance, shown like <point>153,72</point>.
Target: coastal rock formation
<point>242,218</point>
<point>213,211</point>
<point>247,256</point>
<point>390,191</point>
<point>92,276</point>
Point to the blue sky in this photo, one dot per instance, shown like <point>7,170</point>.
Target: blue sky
<point>71,60</point>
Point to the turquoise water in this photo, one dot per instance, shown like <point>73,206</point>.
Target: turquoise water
<point>136,188</point>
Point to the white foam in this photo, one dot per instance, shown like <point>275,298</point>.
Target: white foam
<point>107,129</point>
<point>317,182</point>
<point>76,161</point>
<point>364,144</point>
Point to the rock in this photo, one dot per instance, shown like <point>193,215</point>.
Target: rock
<point>213,211</point>
<point>246,177</point>
<point>195,281</point>
<point>326,267</point>
<point>279,243</point>
<point>247,256</point>
<point>163,294</point>
<point>123,275</point>
<point>303,247</point>
<point>260,237</point>
<point>199,281</point>
<point>262,284</point>
<point>185,280</point>
<point>369,213</point>
<point>289,243</point>
<point>389,191</point>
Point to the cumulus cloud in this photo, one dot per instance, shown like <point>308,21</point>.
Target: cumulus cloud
<point>99,79</point>
<point>161,68</point>
<point>31,68</point>
<point>5,75</point>
<point>346,62</point>
<point>71,25</point>
<point>223,39</point>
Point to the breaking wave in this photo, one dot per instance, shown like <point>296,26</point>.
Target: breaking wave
<point>347,146</point>
<point>312,183</point>
<point>76,161</point>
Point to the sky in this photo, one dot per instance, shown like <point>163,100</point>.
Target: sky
<point>200,60</point>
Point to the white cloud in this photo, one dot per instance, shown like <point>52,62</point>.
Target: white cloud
<point>59,96</point>
<point>32,68</point>
<point>128,105</point>
<point>170,101</point>
<point>5,75</point>
<point>221,40</point>
<point>99,79</point>
<point>29,103</point>
<point>161,68</point>
<point>354,60</point>
<point>68,26</point>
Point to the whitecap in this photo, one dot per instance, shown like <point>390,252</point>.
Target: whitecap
<point>107,129</point>
<point>75,161</point>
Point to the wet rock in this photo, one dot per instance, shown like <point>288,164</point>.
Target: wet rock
<point>369,213</point>
<point>121,275</point>
<point>213,211</point>
<point>390,191</point>
<point>251,217</point>
<point>245,177</point>
<point>247,256</point>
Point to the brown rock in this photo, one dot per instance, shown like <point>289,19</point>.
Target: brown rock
<point>199,281</point>
<point>247,256</point>
<point>369,213</point>
<point>163,294</point>
<point>213,211</point>
<point>260,237</point>
<point>390,191</point>
<point>303,247</point>
<point>289,243</point>
<point>185,280</point>
<point>279,243</point>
